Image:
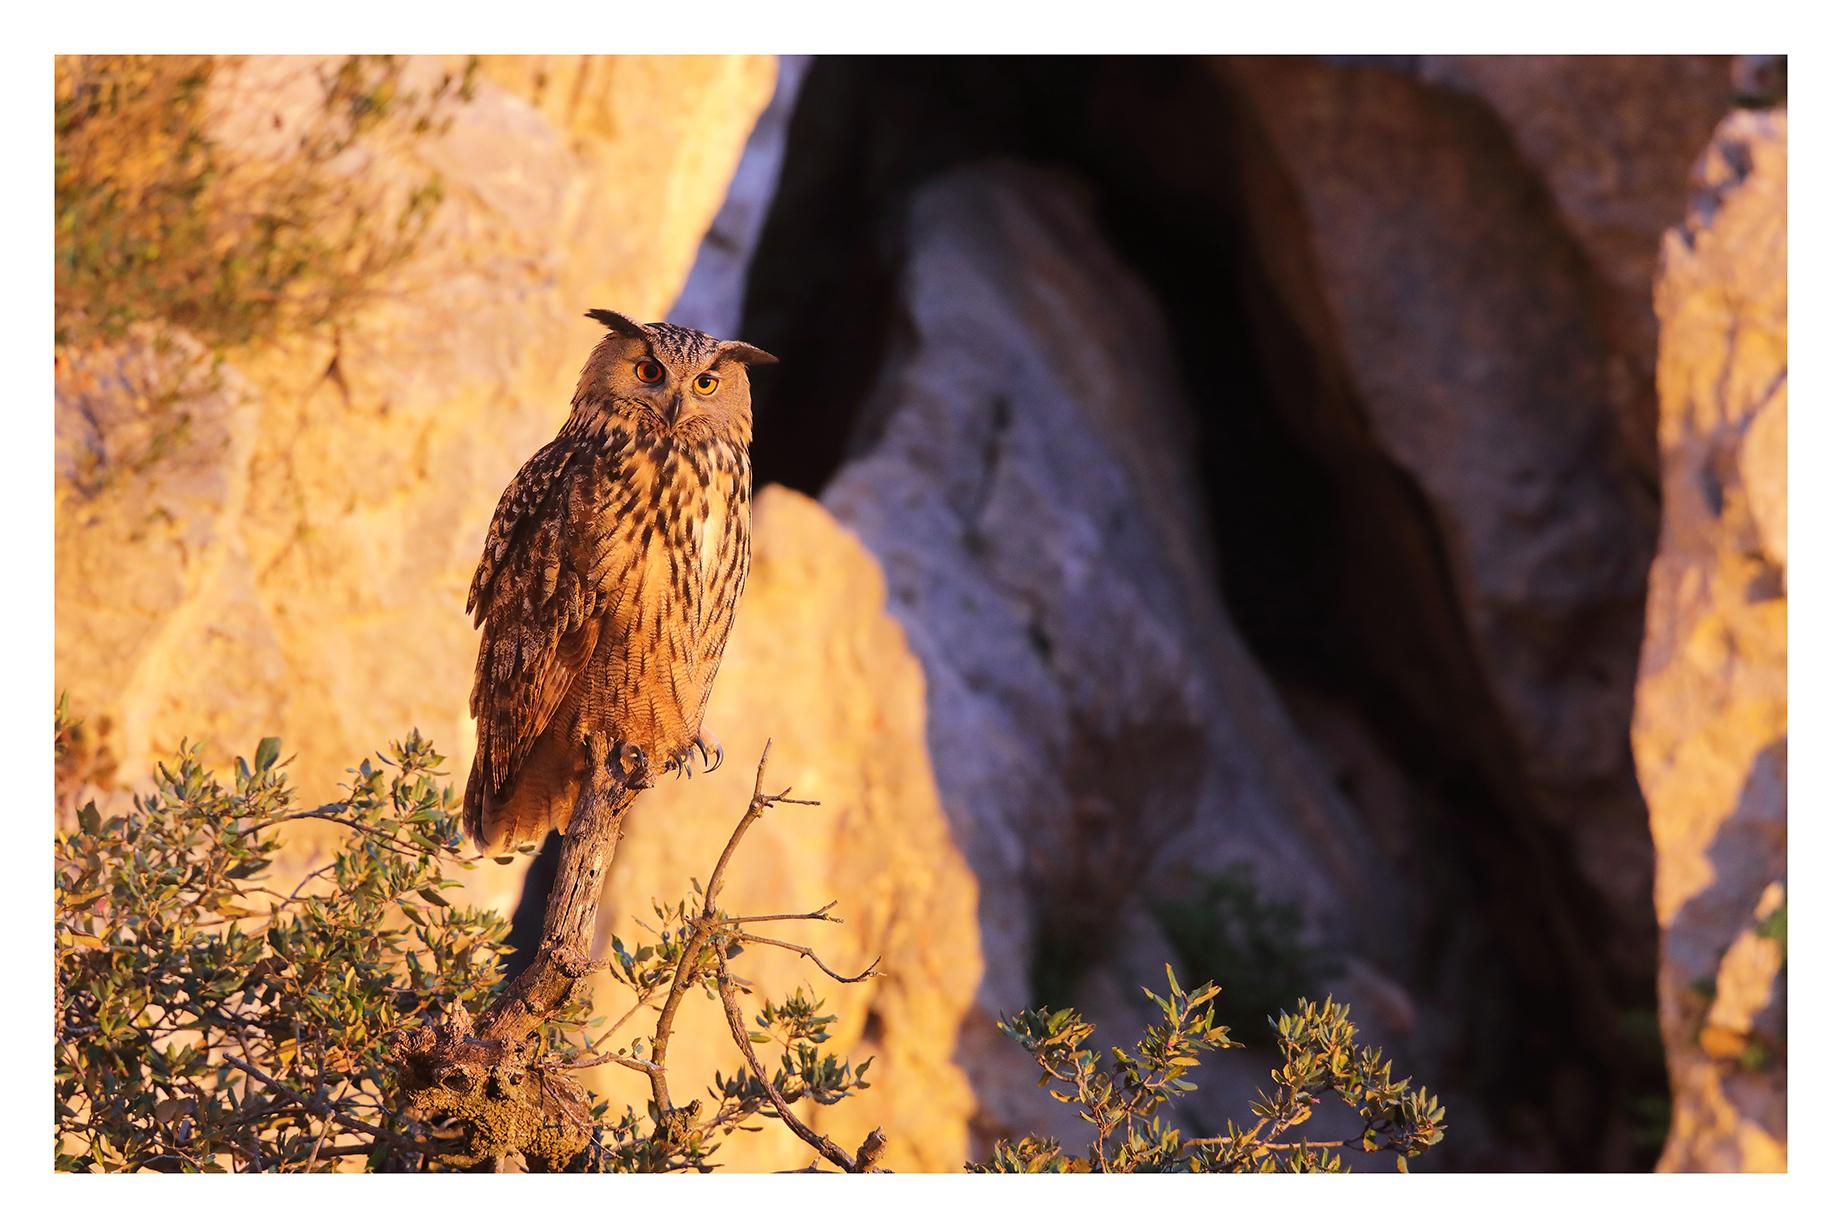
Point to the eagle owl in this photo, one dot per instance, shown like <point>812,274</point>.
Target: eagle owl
<point>609,580</point>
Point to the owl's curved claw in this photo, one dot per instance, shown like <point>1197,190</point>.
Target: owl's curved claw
<point>707,746</point>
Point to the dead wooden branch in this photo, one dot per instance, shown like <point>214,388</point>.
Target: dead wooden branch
<point>490,1076</point>
<point>486,1075</point>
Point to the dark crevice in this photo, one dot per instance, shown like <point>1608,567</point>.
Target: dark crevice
<point>1329,558</point>
<point>1333,568</point>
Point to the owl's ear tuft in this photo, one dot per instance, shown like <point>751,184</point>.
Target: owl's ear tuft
<point>743,352</point>
<point>616,322</point>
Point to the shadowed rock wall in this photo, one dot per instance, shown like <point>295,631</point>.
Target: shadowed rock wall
<point>1393,319</point>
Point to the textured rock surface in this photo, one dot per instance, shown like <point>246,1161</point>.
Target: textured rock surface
<point>1480,274</point>
<point>1055,710</point>
<point>1710,728</point>
<point>712,296</point>
<point>818,664</point>
<point>296,562</point>
<point>1611,138</point>
<point>1094,722</point>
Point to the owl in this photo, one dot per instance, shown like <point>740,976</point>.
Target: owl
<point>609,580</point>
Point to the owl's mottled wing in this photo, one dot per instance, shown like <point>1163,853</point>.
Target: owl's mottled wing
<point>537,607</point>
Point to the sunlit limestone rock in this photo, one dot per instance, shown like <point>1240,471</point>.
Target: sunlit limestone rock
<point>818,664</point>
<point>294,560</point>
<point>1710,726</point>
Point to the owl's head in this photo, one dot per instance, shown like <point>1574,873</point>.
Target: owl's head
<point>666,380</point>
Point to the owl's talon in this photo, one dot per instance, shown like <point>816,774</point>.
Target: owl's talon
<point>711,749</point>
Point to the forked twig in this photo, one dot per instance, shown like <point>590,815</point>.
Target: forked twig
<point>708,926</point>
<point>703,925</point>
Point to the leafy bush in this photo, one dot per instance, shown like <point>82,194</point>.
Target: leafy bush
<point>210,1018</point>
<point>1119,1094</point>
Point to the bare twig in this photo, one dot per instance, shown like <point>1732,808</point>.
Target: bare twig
<point>595,1045</point>
<point>333,813</point>
<point>821,913</point>
<point>703,926</point>
<point>601,1059</point>
<point>738,1028</point>
<point>326,1128</point>
<point>709,926</point>
<point>807,953</point>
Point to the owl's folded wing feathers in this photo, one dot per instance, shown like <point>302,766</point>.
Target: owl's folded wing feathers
<point>538,613</point>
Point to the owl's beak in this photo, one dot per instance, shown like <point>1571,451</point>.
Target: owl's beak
<point>673,408</point>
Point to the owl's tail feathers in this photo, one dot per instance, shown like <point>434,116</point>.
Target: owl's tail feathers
<point>535,801</point>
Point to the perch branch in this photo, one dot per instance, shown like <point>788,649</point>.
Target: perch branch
<point>475,1072</point>
<point>569,917</point>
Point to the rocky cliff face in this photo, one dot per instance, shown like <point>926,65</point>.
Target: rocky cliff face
<point>1214,472</point>
<point>295,560</point>
<point>1710,732</point>
<point>1094,721</point>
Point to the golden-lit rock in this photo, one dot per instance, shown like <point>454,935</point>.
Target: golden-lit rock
<point>289,554</point>
<point>1710,727</point>
<point>817,663</point>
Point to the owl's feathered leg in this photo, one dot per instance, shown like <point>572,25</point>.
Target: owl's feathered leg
<point>631,762</point>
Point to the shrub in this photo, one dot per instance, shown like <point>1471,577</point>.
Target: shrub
<point>1119,1094</point>
<point>210,1018</point>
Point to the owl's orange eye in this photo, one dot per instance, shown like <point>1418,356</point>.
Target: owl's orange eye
<point>704,384</point>
<point>648,371</point>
